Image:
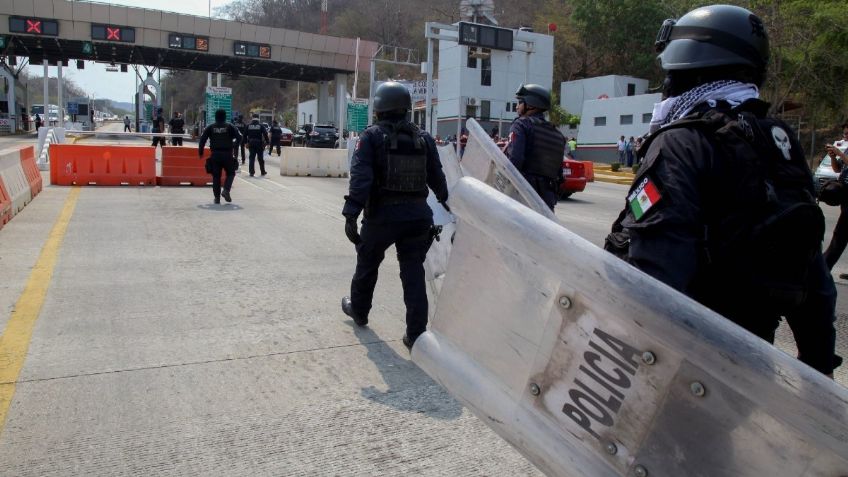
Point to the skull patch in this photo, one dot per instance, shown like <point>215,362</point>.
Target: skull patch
<point>781,140</point>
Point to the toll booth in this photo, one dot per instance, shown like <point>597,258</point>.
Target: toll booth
<point>81,111</point>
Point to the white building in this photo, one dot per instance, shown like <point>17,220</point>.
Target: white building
<point>481,83</point>
<point>609,107</point>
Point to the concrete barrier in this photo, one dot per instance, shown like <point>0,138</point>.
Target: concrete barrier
<point>46,138</point>
<point>19,182</point>
<point>308,161</point>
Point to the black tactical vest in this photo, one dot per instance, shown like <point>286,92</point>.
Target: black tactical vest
<point>545,159</point>
<point>220,137</point>
<point>276,132</point>
<point>254,132</point>
<point>405,167</point>
<point>177,125</point>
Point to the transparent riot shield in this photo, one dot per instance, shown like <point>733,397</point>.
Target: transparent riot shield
<point>482,160</point>
<point>592,368</point>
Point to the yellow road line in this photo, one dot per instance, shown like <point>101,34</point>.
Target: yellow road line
<point>15,339</point>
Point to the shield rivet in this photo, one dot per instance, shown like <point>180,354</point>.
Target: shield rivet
<point>611,448</point>
<point>565,302</point>
<point>640,471</point>
<point>649,358</point>
<point>534,389</point>
<point>698,389</point>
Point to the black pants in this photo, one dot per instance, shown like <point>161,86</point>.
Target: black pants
<point>257,151</point>
<point>177,141</point>
<point>411,240</point>
<point>839,240</point>
<point>158,140</point>
<point>243,155</point>
<point>222,161</point>
<point>127,128</point>
<point>273,145</point>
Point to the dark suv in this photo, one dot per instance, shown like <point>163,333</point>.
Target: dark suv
<point>322,135</point>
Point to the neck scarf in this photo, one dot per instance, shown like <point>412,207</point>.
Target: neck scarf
<point>674,108</point>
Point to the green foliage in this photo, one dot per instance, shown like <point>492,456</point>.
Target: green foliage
<point>615,166</point>
<point>635,168</point>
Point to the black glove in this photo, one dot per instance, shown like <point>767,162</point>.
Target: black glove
<point>445,205</point>
<point>352,229</point>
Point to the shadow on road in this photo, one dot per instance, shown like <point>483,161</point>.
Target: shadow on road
<point>220,207</point>
<point>408,388</point>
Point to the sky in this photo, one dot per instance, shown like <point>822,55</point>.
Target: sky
<point>117,86</point>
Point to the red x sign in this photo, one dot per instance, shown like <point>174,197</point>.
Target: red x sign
<point>33,26</point>
<point>113,34</point>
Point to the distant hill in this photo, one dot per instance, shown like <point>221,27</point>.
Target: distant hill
<point>122,105</point>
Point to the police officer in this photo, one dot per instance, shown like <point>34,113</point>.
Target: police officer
<point>391,170</point>
<point>722,208</point>
<point>242,128</point>
<point>276,137</point>
<point>257,137</point>
<point>536,146</point>
<point>158,127</point>
<point>222,137</point>
<point>177,124</point>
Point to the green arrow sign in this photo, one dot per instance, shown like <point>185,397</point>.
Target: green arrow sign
<point>2,42</point>
<point>87,48</point>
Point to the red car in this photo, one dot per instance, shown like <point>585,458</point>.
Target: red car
<point>287,138</point>
<point>574,173</point>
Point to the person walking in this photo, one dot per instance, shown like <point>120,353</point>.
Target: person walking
<point>392,168</point>
<point>242,128</point>
<point>257,138</point>
<point>127,124</point>
<point>158,127</point>
<point>177,124</point>
<point>723,207</point>
<point>222,136</point>
<point>276,137</point>
<point>536,147</point>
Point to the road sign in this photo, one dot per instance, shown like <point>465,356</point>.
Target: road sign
<point>218,97</point>
<point>87,48</point>
<point>73,108</point>
<point>357,116</point>
<point>2,42</point>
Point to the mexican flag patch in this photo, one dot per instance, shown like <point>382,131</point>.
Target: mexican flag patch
<point>645,196</point>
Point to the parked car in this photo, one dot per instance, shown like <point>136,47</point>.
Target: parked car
<point>824,171</point>
<point>574,173</point>
<point>323,135</point>
<point>287,138</point>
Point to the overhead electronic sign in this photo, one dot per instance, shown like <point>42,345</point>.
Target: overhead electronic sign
<point>33,26</point>
<point>485,36</point>
<point>188,42</point>
<point>113,33</point>
<point>252,50</point>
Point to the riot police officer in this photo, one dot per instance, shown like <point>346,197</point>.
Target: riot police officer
<point>222,137</point>
<point>158,127</point>
<point>257,137</point>
<point>177,124</point>
<point>723,206</point>
<point>276,137</point>
<point>391,170</point>
<point>536,146</point>
<point>242,129</point>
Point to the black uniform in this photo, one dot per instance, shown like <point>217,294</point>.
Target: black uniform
<point>276,137</point>
<point>536,149</point>
<point>695,220</point>
<point>256,137</point>
<point>158,127</point>
<point>391,170</point>
<point>222,138</point>
<point>242,129</point>
<point>177,127</point>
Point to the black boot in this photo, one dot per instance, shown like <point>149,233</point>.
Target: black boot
<point>347,308</point>
<point>217,200</point>
<point>225,193</point>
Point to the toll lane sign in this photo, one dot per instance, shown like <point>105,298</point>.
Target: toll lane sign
<point>218,97</point>
<point>357,116</point>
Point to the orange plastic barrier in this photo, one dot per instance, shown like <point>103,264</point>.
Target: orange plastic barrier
<point>182,166</point>
<point>590,171</point>
<point>31,171</point>
<point>5,205</point>
<point>78,164</point>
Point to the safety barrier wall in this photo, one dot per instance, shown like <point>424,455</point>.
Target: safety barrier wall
<point>307,161</point>
<point>20,181</point>
<point>75,164</point>
<point>182,166</point>
<point>46,138</point>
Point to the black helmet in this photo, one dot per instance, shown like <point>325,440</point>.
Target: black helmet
<point>535,96</point>
<point>715,35</point>
<point>392,96</point>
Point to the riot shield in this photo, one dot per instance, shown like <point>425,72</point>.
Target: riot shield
<point>591,368</point>
<point>436,261</point>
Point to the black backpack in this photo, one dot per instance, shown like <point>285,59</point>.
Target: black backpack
<point>764,228</point>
